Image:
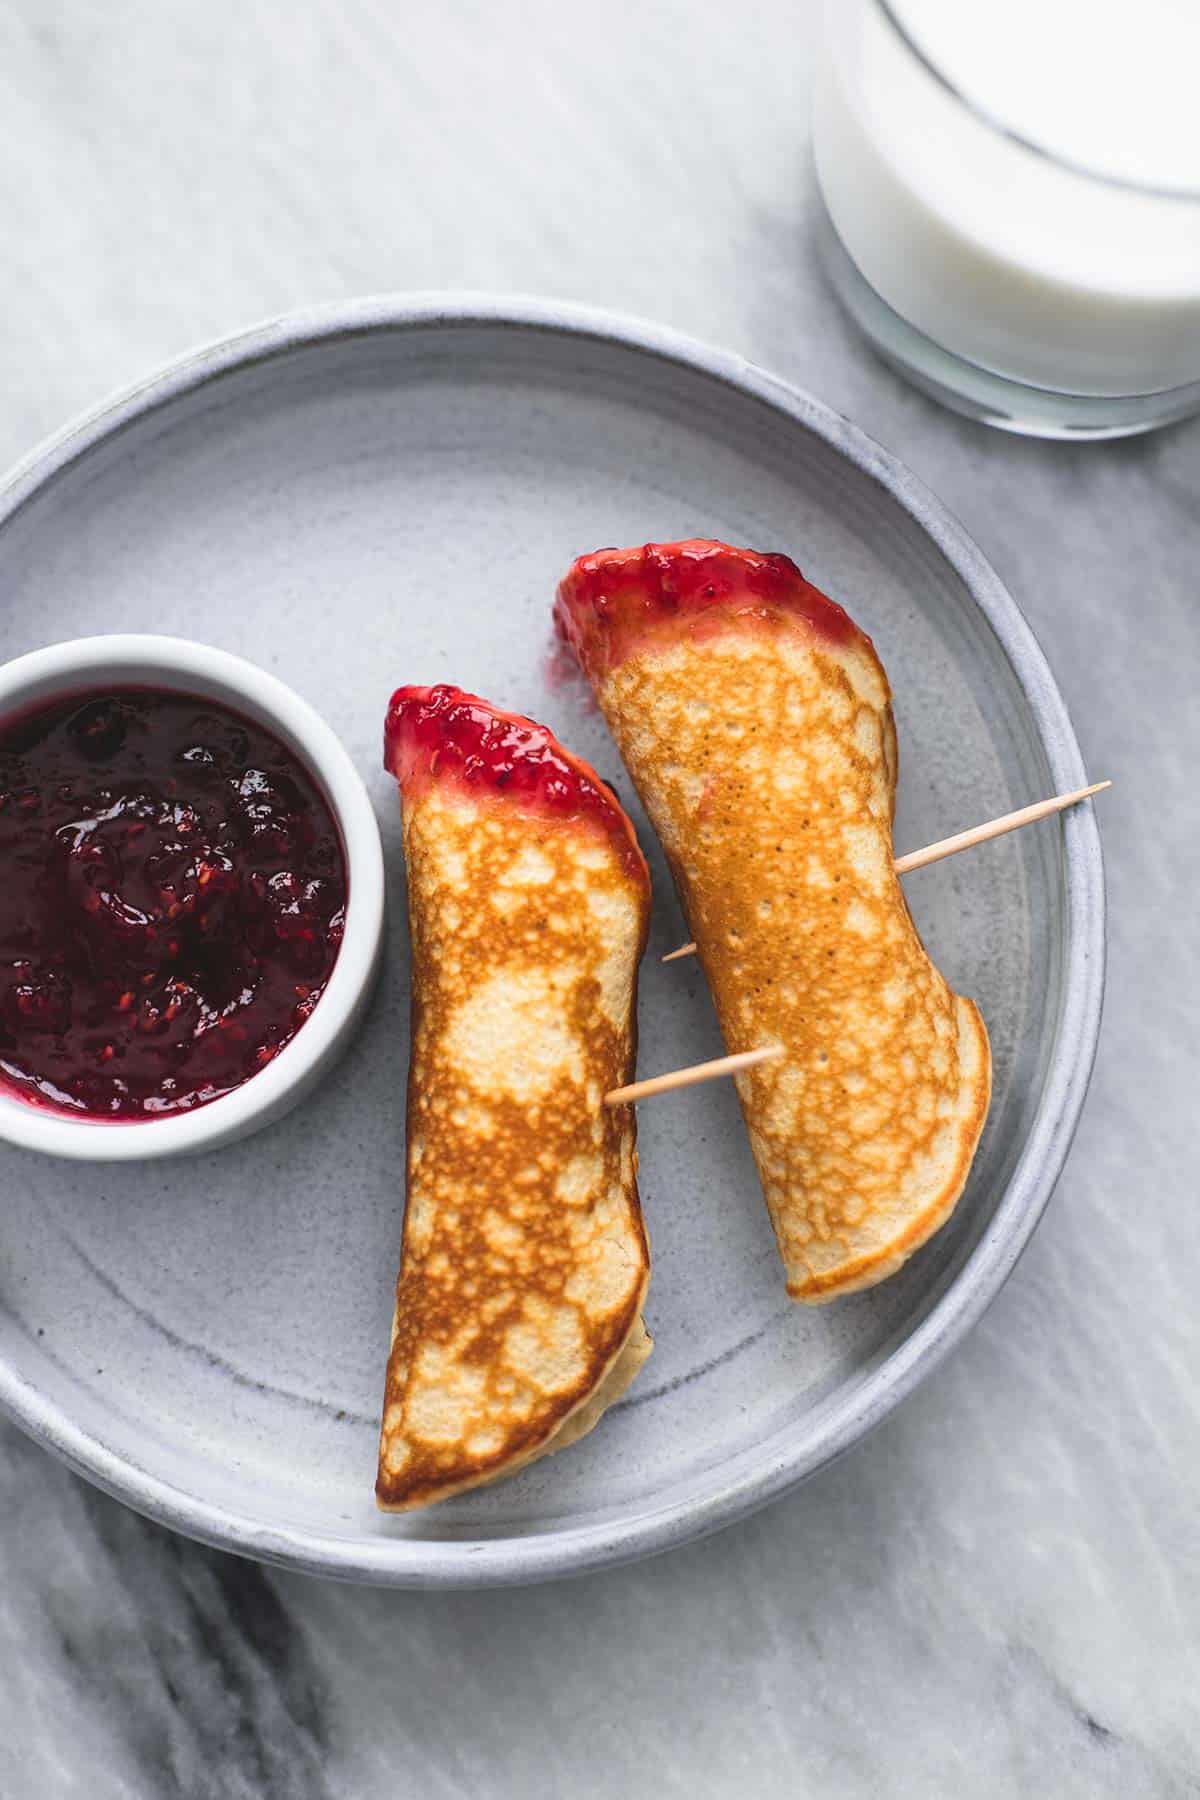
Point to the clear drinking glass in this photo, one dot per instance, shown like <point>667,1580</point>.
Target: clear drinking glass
<point>1011,203</point>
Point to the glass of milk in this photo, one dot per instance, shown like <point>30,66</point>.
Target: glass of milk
<point>1012,202</point>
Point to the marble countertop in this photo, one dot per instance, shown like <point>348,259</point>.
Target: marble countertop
<point>999,1592</point>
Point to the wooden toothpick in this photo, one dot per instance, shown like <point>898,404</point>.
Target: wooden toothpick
<point>678,1078</point>
<point>978,834</point>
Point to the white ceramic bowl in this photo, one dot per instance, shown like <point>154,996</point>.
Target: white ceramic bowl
<point>186,667</point>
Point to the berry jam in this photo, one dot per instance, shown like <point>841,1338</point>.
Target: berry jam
<point>444,734</point>
<point>610,603</point>
<point>172,898</point>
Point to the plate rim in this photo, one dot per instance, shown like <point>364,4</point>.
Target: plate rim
<point>484,1562</point>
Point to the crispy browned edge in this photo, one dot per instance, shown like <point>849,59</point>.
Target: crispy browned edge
<point>867,1271</point>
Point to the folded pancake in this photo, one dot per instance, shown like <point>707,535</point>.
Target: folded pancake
<point>755,719</point>
<point>525,1262</point>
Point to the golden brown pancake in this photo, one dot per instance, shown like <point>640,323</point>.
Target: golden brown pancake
<point>525,1262</point>
<point>755,719</point>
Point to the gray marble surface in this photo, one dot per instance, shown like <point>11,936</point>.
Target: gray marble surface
<point>997,1594</point>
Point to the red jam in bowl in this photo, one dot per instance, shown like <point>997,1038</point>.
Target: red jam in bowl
<point>172,898</point>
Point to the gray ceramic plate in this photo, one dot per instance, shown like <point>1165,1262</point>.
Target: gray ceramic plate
<point>388,492</point>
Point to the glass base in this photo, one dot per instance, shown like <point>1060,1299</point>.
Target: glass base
<point>997,400</point>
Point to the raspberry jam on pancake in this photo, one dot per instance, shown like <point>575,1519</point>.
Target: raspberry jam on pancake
<point>617,601</point>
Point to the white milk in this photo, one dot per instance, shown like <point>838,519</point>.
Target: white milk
<point>1022,264</point>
